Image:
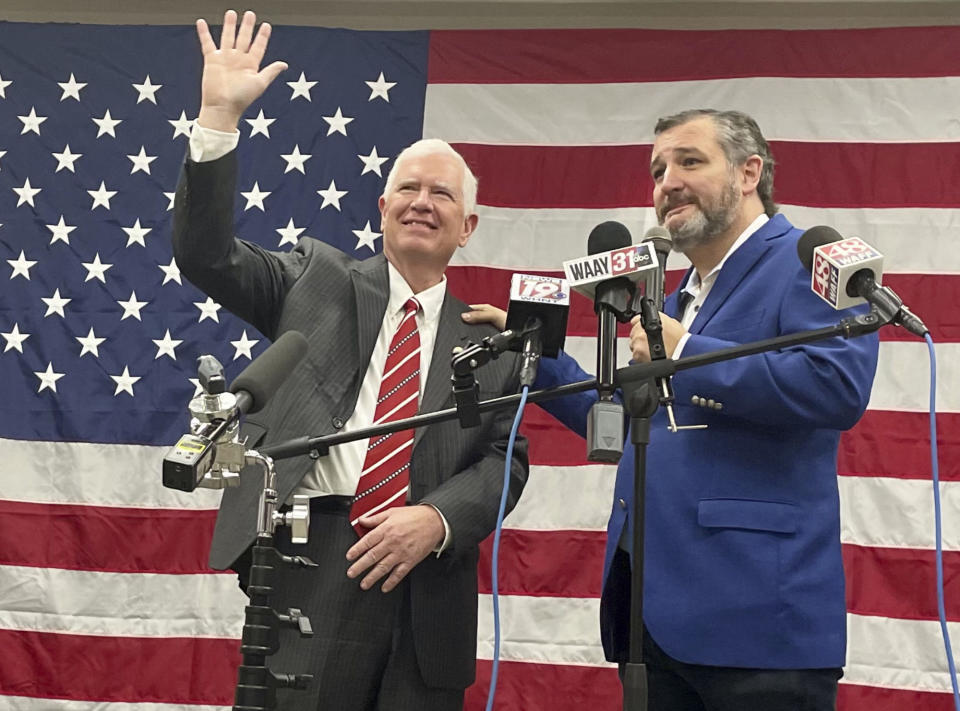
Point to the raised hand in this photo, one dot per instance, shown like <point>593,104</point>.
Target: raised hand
<point>232,77</point>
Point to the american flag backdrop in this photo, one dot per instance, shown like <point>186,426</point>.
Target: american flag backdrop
<point>105,598</point>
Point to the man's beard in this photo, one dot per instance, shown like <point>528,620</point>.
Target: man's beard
<point>708,220</point>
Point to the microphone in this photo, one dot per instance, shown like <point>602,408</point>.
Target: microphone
<point>662,242</point>
<point>260,380</point>
<point>537,314</point>
<point>211,455</point>
<point>847,272</point>
<point>610,255</point>
<point>608,275</point>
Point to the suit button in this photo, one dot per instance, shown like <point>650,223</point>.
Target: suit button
<point>695,400</point>
<point>623,503</point>
<point>718,406</point>
<point>710,403</point>
<point>337,422</point>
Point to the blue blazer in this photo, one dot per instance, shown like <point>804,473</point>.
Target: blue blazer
<point>742,563</point>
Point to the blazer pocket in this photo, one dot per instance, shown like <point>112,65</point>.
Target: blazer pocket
<point>749,514</point>
<point>724,328</point>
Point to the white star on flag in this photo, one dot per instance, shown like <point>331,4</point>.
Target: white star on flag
<point>208,309</point>
<point>147,91</point>
<point>101,196</point>
<point>91,343</point>
<point>2,154</point>
<point>243,346</point>
<point>380,88</point>
<point>141,161</point>
<point>296,160</point>
<point>26,193</point>
<point>331,196</point>
<point>71,88</point>
<point>301,87</point>
<point>290,233</point>
<point>48,378</point>
<point>21,266</point>
<point>124,382</point>
<point>3,87</point>
<point>171,272</point>
<point>136,233</point>
<point>372,162</point>
<point>255,197</point>
<point>166,345</point>
<point>61,231</point>
<point>106,124</point>
<point>96,269</point>
<point>66,159</point>
<point>260,124</point>
<point>338,122</point>
<point>366,237</point>
<point>31,122</point>
<point>170,197</point>
<point>181,126</point>
<point>131,307</point>
<point>55,304</point>
<point>15,339</point>
<point>197,387</point>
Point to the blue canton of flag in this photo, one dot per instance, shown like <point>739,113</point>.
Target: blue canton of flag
<point>100,332</point>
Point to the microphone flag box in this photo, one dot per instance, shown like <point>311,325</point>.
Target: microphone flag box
<point>546,298</point>
<point>633,262</point>
<point>835,263</point>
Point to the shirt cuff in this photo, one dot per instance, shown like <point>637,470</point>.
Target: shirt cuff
<point>680,344</point>
<point>446,532</point>
<point>208,144</point>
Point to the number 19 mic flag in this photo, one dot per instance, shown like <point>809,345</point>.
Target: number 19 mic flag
<point>106,601</point>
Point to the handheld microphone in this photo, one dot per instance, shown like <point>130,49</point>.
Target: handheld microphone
<point>662,242</point>
<point>610,255</point>
<point>537,312</point>
<point>847,272</point>
<point>211,455</point>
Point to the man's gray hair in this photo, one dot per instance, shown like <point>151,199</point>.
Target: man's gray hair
<point>432,146</point>
<point>739,137</point>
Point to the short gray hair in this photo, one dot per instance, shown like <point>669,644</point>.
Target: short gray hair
<point>739,137</point>
<point>432,146</point>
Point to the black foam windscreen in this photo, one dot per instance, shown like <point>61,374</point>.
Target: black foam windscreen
<point>608,236</point>
<point>264,376</point>
<point>813,238</point>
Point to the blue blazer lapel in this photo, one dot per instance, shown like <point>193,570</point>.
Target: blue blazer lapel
<point>737,267</point>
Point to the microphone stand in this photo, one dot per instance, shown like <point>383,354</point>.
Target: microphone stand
<point>635,381</point>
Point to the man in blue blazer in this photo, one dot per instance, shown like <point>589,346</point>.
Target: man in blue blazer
<point>743,580</point>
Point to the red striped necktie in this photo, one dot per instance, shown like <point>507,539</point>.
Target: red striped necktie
<point>385,476</point>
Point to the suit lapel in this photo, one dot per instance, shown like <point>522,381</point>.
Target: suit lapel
<point>451,331</point>
<point>736,268</point>
<point>371,287</point>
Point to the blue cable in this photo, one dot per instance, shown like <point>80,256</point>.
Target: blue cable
<point>495,577</point>
<point>938,524</point>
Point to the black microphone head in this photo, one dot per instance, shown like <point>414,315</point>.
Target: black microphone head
<point>608,236</point>
<point>662,240</point>
<point>813,238</point>
<point>264,376</point>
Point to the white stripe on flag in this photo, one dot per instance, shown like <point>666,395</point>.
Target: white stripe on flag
<point>566,114</point>
<point>27,703</point>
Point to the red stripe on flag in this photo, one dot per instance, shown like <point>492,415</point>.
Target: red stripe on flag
<point>119,669</point>
<point>927,295</point>
<point>116,540</point>
<point>546,687</point>
<point>854,697</point>
<point>634,55</point>
<point>897,444</point>
<point>618,176</point>
<point>900,582</point>
<point>545,563</point>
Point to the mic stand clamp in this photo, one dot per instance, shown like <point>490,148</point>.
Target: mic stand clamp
<point>464,361</point>
<point>653,326</point>
<point>256,684</point>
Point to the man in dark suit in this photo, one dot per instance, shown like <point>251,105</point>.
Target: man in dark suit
<point>412,643</point>
<point>743,576</point>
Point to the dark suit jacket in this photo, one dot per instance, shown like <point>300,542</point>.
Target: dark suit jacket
<point>742,563</point>
<point>338,303</point>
